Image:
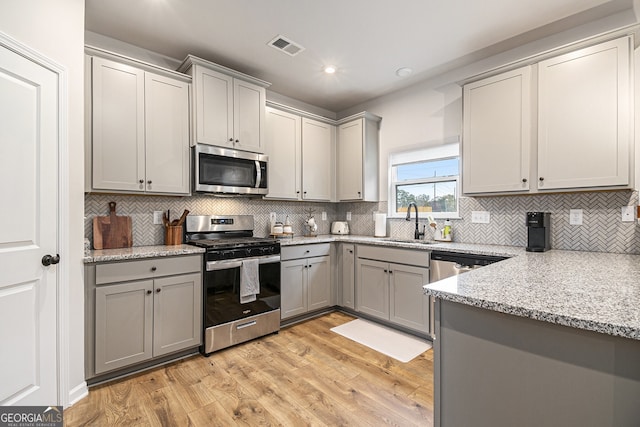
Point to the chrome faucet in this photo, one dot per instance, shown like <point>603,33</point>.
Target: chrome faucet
<point>417,233</point>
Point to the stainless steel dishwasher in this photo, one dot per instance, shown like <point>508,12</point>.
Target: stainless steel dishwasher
<point>447,264</point>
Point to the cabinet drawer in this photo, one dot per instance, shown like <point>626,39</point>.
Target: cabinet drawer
<point>305,251</point>
<point>147,268</point>
<point>395,255</point>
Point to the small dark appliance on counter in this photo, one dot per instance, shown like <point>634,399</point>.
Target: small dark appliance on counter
<point>538,231</point>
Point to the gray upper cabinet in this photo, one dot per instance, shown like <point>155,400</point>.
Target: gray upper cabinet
<point>357,158</point>
<point>497,133</point>
<point>564,123</point>
<point>301,152</point>
<point>139,129</point>
<point>228,106</point>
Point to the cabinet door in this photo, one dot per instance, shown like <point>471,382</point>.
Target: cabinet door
<point>317,141</point>
<point>248,116</point>
<point>124,325</point>
<point>117,126</point>
<point>213,96</point>
<point>584,117</point>
<point>318,283</point>
<point>349,160</point>
<point>177,313</point>
<point>348,275</point>
<point>293,288</point>
<point>166,135</point>
<point>408,304</point>
<point>497,133</point>
<point>283,146</point>
<point>372,292</point>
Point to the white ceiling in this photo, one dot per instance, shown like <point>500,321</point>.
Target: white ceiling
<point>368,40</point>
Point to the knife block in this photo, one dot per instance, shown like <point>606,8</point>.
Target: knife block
<point>173,235</point>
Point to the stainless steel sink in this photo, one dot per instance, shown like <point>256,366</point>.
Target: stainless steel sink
<point>422,242</point>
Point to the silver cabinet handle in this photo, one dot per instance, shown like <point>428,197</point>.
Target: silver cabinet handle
<point>258,174</point>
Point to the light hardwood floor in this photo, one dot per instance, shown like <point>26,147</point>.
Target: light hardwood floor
<point>305,375</point>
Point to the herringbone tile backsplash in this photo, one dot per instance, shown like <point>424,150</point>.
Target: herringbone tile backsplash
<point>602,229</point>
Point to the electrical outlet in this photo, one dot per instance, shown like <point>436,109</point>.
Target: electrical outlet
<point>348,216</point>
<point>480,217</point>
<point>575,216</point>
<point>324,216</point>
<point>157,217</point>
<point>628,214</point>
<point>272,217</point>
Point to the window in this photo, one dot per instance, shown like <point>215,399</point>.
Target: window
<point>428,177</point>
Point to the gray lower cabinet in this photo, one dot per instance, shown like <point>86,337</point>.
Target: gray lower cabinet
<point>142,310</point>
<point>347,276</point>
<point>389,286</point>
<point>305,279</point>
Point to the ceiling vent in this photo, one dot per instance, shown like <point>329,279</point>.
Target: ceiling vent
<point>285,45</point>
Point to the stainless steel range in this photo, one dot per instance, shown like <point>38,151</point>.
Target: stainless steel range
<point>241,288</point>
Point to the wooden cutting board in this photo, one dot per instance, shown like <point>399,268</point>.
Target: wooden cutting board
<point>113,231</point>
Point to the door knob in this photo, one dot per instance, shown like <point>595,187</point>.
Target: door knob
<point>47,260</point>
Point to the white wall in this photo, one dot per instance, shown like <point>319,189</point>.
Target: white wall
<point>56,30</point>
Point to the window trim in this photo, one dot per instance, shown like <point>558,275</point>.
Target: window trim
<point>442,151</point>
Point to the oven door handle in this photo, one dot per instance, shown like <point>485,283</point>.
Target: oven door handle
<point>224,265</point>
<point>269,259</point>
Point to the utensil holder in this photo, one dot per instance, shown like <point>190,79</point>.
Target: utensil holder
<point>173,235</point>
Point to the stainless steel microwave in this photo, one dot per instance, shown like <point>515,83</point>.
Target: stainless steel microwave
<point>223,171</point>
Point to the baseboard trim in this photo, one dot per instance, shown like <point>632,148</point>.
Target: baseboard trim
<point>78,393</point>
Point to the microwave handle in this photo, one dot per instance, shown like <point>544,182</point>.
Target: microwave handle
<point>258,174</point>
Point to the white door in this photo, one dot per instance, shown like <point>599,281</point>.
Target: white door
<point>29,190</point>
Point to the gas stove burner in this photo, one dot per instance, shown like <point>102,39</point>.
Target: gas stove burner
<point>231,243</point>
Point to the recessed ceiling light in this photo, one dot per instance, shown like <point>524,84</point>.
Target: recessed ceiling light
<point>403,72</point>
<point>330,69</point>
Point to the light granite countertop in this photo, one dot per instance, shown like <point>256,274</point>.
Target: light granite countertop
<point>593,291</point>
<point>139,252</point>
<point>587,290</point>
<point>496,250</point>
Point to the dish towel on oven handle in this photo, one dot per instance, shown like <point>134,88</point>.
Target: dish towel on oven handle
<point>249,280</point>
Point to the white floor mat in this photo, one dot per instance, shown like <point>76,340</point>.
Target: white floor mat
<point>396,344</point>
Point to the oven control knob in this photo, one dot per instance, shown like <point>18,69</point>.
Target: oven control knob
<point>247,252</point>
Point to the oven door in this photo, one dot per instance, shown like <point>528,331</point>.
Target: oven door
<point>218,170</point>
<point>222,290</point>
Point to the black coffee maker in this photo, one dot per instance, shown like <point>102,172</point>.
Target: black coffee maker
<point>538,231</point>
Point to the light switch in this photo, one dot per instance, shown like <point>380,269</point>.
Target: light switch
<point>157,217</point>
<point>575,216</point>
<point>348,216</point>
<point>628,214</point>
<point>480,217</point>
<point>324,216</point>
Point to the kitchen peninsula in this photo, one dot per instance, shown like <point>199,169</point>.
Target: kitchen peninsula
<point>539,339</point>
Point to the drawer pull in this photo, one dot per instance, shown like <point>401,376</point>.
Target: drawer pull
<point>246,325</point>
<point>154,268</point>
